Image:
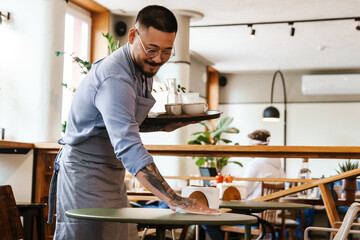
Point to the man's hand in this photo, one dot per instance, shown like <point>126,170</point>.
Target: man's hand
<point>147,126</point>
<point>192,205</point>
<point>169,127</point>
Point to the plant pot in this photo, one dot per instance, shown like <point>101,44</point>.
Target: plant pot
<point>207,172</point>
<point>350,187</point>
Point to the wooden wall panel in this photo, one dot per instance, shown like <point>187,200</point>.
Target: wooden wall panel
<point>212,89</point>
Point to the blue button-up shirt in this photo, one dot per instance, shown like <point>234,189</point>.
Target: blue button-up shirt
<point>107,110</point>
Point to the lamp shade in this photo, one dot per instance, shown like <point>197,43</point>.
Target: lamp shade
<point>271,114</point>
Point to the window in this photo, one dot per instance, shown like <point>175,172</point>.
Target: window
<point>77,44</point>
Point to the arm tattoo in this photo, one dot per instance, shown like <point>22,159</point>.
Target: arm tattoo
<point>154,177</point>
<point>149,127</point>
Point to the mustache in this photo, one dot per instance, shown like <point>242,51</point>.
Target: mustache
<point>153,64</point>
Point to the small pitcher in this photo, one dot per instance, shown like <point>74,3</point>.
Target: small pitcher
<point>173,96</point>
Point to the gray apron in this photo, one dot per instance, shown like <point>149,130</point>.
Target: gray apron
<point>90,176</point>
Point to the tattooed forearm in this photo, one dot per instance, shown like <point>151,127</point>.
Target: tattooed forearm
<point>145,127</point>
<point>153,176</point>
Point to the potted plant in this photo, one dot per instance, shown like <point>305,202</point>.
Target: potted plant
<point>212,136</point>
<point>349,184</point>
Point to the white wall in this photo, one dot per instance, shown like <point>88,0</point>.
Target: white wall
<point>30,81</point>
<point>311,120</point>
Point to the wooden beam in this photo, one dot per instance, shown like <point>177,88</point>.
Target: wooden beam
<point>212,90</point>
<point>309,185</point>
<point>99,46</point>
<point>329,203</point>
<point>255,151</point>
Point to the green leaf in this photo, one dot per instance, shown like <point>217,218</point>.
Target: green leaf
<point>65,85</point>
<point>200,162</point>
<point>232,130</point>
<point>203,139</point>
<point>194,142</point>
<point>63,127</point>
<point>197,133</point>
<point>59,53</point>
<point>225,140</point>
<point>238,163</point>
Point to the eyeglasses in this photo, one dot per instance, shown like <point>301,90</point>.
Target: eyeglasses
<point>165,55</point>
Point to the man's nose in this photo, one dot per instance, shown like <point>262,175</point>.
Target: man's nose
<point>157,58</point>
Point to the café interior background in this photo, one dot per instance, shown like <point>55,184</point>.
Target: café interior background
<point>30,99</point>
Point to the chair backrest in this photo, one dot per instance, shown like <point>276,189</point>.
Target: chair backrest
<point>10,222</point>
<point>350,216</point>
<point>268,188</point>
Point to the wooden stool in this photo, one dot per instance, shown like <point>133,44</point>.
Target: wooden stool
<point>29,211</point>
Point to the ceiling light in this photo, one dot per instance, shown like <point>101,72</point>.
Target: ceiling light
<point>271,114</point>
<point>358,22</point>
<point>253,31</point>
<point>4,15</point>
<point>292,31</point>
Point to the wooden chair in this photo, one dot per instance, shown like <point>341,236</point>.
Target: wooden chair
<point>10,222</point>
<point>345,227</point>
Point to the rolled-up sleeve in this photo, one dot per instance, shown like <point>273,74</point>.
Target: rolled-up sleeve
<point>115,98</point>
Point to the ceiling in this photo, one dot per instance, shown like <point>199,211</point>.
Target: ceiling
<point>316,45</point>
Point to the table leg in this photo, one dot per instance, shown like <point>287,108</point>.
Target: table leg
<point>196,232</point>
<point>28,225</point>
<point>247,232</point>
<point>265,224</point>
<point>160,233</point>
<point>40,224</point>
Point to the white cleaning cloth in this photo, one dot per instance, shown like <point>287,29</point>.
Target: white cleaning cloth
<point>179,210</point>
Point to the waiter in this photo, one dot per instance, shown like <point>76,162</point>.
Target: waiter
<point>102,135</point>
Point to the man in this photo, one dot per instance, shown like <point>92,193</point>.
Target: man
<point>102,136</point>
<point>261,167</point>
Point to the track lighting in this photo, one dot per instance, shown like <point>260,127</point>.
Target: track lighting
<point>291,23</point>
<point>292,31</point>
<point>253,31</point>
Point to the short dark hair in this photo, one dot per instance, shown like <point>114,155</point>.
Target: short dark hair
<point>260,135</point>
<point>157,17</point>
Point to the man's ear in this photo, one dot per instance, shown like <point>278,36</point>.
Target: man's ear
<point>131,36</point>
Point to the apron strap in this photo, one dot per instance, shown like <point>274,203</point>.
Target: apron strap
<point>53,185</point>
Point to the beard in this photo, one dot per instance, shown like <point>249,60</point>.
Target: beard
<point>141,67</point>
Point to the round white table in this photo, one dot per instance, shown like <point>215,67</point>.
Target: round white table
<point>161,219</point>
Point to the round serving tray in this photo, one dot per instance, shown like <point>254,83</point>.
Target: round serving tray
<point>164,117</point>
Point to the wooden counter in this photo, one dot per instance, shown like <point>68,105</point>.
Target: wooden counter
<point>10,147</point>
<point>241,151</point>
<point>255,151</point>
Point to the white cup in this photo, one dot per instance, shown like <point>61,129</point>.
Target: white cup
<point>194,108</point>
<point>193,97</point>
<point>173,109</point>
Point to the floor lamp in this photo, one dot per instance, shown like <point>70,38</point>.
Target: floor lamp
<point>272,114</point>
